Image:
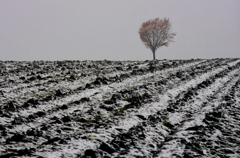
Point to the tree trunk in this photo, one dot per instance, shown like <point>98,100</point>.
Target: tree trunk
<point>153,51</point>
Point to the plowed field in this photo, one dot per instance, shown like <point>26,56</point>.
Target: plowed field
<point>165,108</point>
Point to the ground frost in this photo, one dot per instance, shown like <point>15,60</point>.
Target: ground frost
<point>178,108</point>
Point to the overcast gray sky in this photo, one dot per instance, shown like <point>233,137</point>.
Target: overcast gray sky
<point>108,29</point>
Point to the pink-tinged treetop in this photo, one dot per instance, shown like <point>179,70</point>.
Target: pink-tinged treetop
<point>156,33</point>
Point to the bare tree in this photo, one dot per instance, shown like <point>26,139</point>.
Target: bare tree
<point>155,33</point>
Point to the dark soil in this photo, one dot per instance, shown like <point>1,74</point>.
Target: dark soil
<point>162,108</point>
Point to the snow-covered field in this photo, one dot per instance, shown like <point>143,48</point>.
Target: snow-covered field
<point>166,108</point>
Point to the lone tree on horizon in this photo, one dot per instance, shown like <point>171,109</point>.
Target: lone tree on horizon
<point>155,33</point>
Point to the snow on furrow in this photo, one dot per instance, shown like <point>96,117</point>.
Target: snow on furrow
<point>176,118</point>
<point>24,127</point>
<point>174,146</point>
<point>202,96</point>
<point>31,125</point>
<point>131,120</point>
<point>83,138</point>
<point>196,120</point>
<point>172,93</point>
<point>26,90</point>
<point>98,93</point>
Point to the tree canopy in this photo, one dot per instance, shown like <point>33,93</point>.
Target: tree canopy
<point>155,33</point>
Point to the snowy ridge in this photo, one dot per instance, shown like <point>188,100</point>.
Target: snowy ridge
<point>140,109</point>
